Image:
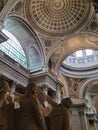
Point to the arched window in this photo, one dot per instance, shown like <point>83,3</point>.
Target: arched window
<point>79,53</point>
<point>13,49</point>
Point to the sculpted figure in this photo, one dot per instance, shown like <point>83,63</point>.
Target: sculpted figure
<point>32,117</point>
<point>6,107</point>
<point>17,110</point>
<point>60,118</point>
<point>47,109</point>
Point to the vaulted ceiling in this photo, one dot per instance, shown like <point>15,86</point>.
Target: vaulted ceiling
<point>50,30</point>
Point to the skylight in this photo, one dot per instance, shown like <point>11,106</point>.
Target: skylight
<point>13,49</point>
<point>79,53</point>
<point>89,52</point>
<point>82,58</point>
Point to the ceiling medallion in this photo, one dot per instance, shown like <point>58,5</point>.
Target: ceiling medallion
<point>57,17</point>
<point>58,4</point>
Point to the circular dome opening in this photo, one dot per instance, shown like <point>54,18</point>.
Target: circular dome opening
<point>82,59</point>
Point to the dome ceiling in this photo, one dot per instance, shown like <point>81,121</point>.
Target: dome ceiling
<point>57,17</point>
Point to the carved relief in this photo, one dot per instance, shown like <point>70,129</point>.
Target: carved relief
<point>48,44</point>
<point>18,8</point>
<point>55,57</point>
<point>92,26</point>
<point>89,39</point>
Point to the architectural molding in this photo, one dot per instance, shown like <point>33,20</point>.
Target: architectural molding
<point>83,87</point>
<point>66,47</point>
<point>46,79</point>
<point>13,71</point>
<point>92,26</point>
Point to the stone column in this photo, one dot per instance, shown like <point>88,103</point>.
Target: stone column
<point>78,117</point>
<point>76,125</point>
<point>83,119</point>
<point>58,93</point>
<point>45,91</point>
<point>96,124</point>
<point>92,121</point>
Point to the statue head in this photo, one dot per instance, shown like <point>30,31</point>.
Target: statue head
<point>67,102</point>
<point>32,89</point>
<point>4,87</point>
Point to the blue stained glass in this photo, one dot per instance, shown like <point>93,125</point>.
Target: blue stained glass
<point>13,49</point>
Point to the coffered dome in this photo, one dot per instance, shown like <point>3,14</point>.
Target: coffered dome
<point>57,17</point>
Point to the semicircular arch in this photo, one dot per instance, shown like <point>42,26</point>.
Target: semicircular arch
<point>70,45</point>
<point>29,41</point>
<point>85,87</point>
